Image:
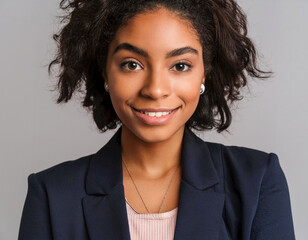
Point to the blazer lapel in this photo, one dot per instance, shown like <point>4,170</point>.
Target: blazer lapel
<point>201,198</point>
<point>200,204</point>
<point>104,207</point>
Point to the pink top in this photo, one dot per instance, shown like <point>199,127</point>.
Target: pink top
<point>151,226</point>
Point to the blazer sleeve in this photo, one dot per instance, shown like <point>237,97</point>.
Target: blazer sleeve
<point>273,218</point>
<point>35,220</point>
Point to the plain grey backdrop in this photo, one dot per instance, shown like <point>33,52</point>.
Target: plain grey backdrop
<point>36,133</point>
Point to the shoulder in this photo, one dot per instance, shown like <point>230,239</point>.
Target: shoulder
<point>64,175</point>
<point>240,157</point>
<point>243,167</point>
<point>248,174</point>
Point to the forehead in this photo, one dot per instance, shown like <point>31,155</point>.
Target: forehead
<point>157,31</point>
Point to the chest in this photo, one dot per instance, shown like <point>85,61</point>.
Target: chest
<point>154,193</point>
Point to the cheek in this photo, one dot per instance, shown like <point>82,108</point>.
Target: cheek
<point>190,95</point>
<point>122,93</point>
<point>118,103</point>
<point>189,92</point>
<point>119,95</point>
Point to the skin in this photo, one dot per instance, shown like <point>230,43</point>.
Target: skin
<point>152,152</point>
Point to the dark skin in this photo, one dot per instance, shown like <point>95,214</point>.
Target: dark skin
<point>152,152</point>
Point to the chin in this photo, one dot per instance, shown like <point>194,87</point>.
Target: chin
<point>155,134</point>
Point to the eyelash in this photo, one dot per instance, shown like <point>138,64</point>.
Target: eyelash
<point>188,65</point>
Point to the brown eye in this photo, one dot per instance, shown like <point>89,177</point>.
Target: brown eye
<point>181,66</point>
<point>130,65</point>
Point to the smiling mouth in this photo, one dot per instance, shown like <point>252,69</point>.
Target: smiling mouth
<point>154,112</point>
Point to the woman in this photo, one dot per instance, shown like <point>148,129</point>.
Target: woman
<point>158,69</point>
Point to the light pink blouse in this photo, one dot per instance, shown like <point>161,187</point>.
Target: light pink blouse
<point>151,226</point>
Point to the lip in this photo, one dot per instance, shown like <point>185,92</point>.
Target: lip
<point>155,120</point>
<point>155,109</point>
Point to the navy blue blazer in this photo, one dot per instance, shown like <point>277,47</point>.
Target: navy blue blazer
<point>226,192</point>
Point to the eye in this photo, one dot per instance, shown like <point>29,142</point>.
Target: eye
<point>131,65</point>
<point>182,66</point>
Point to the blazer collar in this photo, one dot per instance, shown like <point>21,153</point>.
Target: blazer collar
<point>105,169</point>
<point>200,205</point>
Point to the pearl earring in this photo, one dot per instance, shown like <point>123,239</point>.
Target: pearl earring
<point>202,88</point>
<point>106,87</point>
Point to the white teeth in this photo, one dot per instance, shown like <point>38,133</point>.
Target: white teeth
<point>156,114</point>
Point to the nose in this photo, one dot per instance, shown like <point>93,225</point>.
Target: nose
<point>156,85</point>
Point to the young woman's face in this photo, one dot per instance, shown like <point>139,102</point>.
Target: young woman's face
<point>155,65</point>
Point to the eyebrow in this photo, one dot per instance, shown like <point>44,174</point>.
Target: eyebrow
<point>139,51</point>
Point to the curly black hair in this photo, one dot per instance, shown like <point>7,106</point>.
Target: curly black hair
<point>90,25</point>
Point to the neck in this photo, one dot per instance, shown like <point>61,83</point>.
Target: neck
<point>151,159</point>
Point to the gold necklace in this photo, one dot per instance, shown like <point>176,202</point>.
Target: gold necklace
<point>139,192</point>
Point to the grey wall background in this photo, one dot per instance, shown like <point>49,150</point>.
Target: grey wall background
<point>35,133</point>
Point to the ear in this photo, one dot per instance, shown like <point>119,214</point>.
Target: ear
<point>104,75</point>
<point>203,79</point>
